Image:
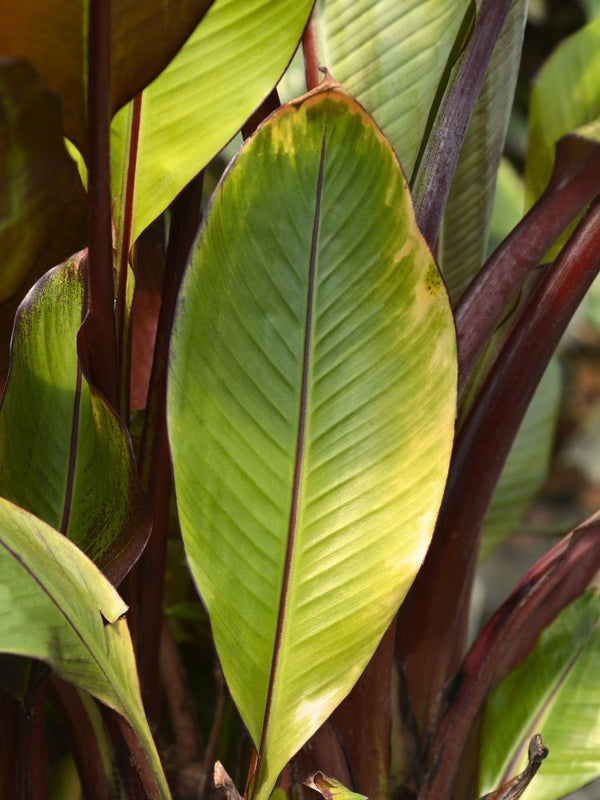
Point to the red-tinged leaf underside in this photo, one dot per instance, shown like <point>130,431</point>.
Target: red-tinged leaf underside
<point>311,411</point>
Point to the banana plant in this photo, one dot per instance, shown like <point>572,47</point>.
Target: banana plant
<point>269,400</point>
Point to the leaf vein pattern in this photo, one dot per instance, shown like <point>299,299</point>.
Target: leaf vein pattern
<point>299,454</point>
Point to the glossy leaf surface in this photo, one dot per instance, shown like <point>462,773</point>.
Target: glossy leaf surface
<point>64,612</point>
<point>311,410</point>
<point>392,55</point>
<point>465,227</point>
<point>67,457</point>
<point>189,113</point>
<point>38,180</point>
<point>555,690</point>
<point>52,35</point>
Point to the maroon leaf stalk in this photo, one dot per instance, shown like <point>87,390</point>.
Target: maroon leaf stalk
<point>98,332</point>
<point>442,589</point>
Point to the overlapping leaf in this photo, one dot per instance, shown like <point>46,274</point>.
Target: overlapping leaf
<point>64,612</point>
<point>52,35</point>
<point>311,410</point>
<point>465,227</point>
<point>565,96</point>
<point>66,456</point>
<point>554,691</point>
<point>189,113</point>
<point>394,56</point>
<point>38,180</point>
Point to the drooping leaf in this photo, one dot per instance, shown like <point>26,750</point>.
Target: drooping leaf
<point>527,464</point>
<point>310,407</point>
<point>393,55</point>
<point>565,96</point>
<point>66,455</point>
<point>52,35</point>
<point>38,180</point>
<point>59,608</point>
<point>189,113</point>
<point>555,690</point>
<point>466,222</point>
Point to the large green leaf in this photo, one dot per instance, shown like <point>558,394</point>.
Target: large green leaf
<point>58,607</point>
<point>311,408</point>
<point>565,96</point>
<point>393,55</point>
<point>38,180</point>
<point>52,35</point>
<point>189,113</point>
<point>66,456</point>
<point>466,222</point>
<point>554,691</point>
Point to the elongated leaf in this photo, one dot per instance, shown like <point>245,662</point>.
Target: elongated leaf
<point>189,113</point>
<point>465,227</point>
<point>55,604</point>
<point>555,690</point>
<point>565,96</point>
<point>52,35</point>
<point>38,180</point>
<point>509,204</point>
<point>310,406</point>
<point>66,456</point>
<point>392,55</point>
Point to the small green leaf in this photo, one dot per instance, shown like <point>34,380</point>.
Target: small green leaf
<point>66,455</point>
<point>311,406</point>
<point>565,96</point>
<point>330,788</point>
<point>58,607</point>
<point>555,691</point>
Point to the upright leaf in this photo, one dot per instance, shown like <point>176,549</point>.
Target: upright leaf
<point>466,222</point>
<point>555,690</point>
<point>59,608</point>
<point>394,56</point>
<point>230,63</point>
<point>66,455</point>
<point>52,35</point>
<point>311,410</point>
<point>38,180</point>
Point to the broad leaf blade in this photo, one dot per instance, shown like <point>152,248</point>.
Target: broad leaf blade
<point>66,456</point>
<point>466,222</point>
<point>38,180</point>
<point>394,55</point>
<point>311,410</point>
<point>230,63</point>
<point>52,35</point>
<point>55,602</point>
<point>555,691</point>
